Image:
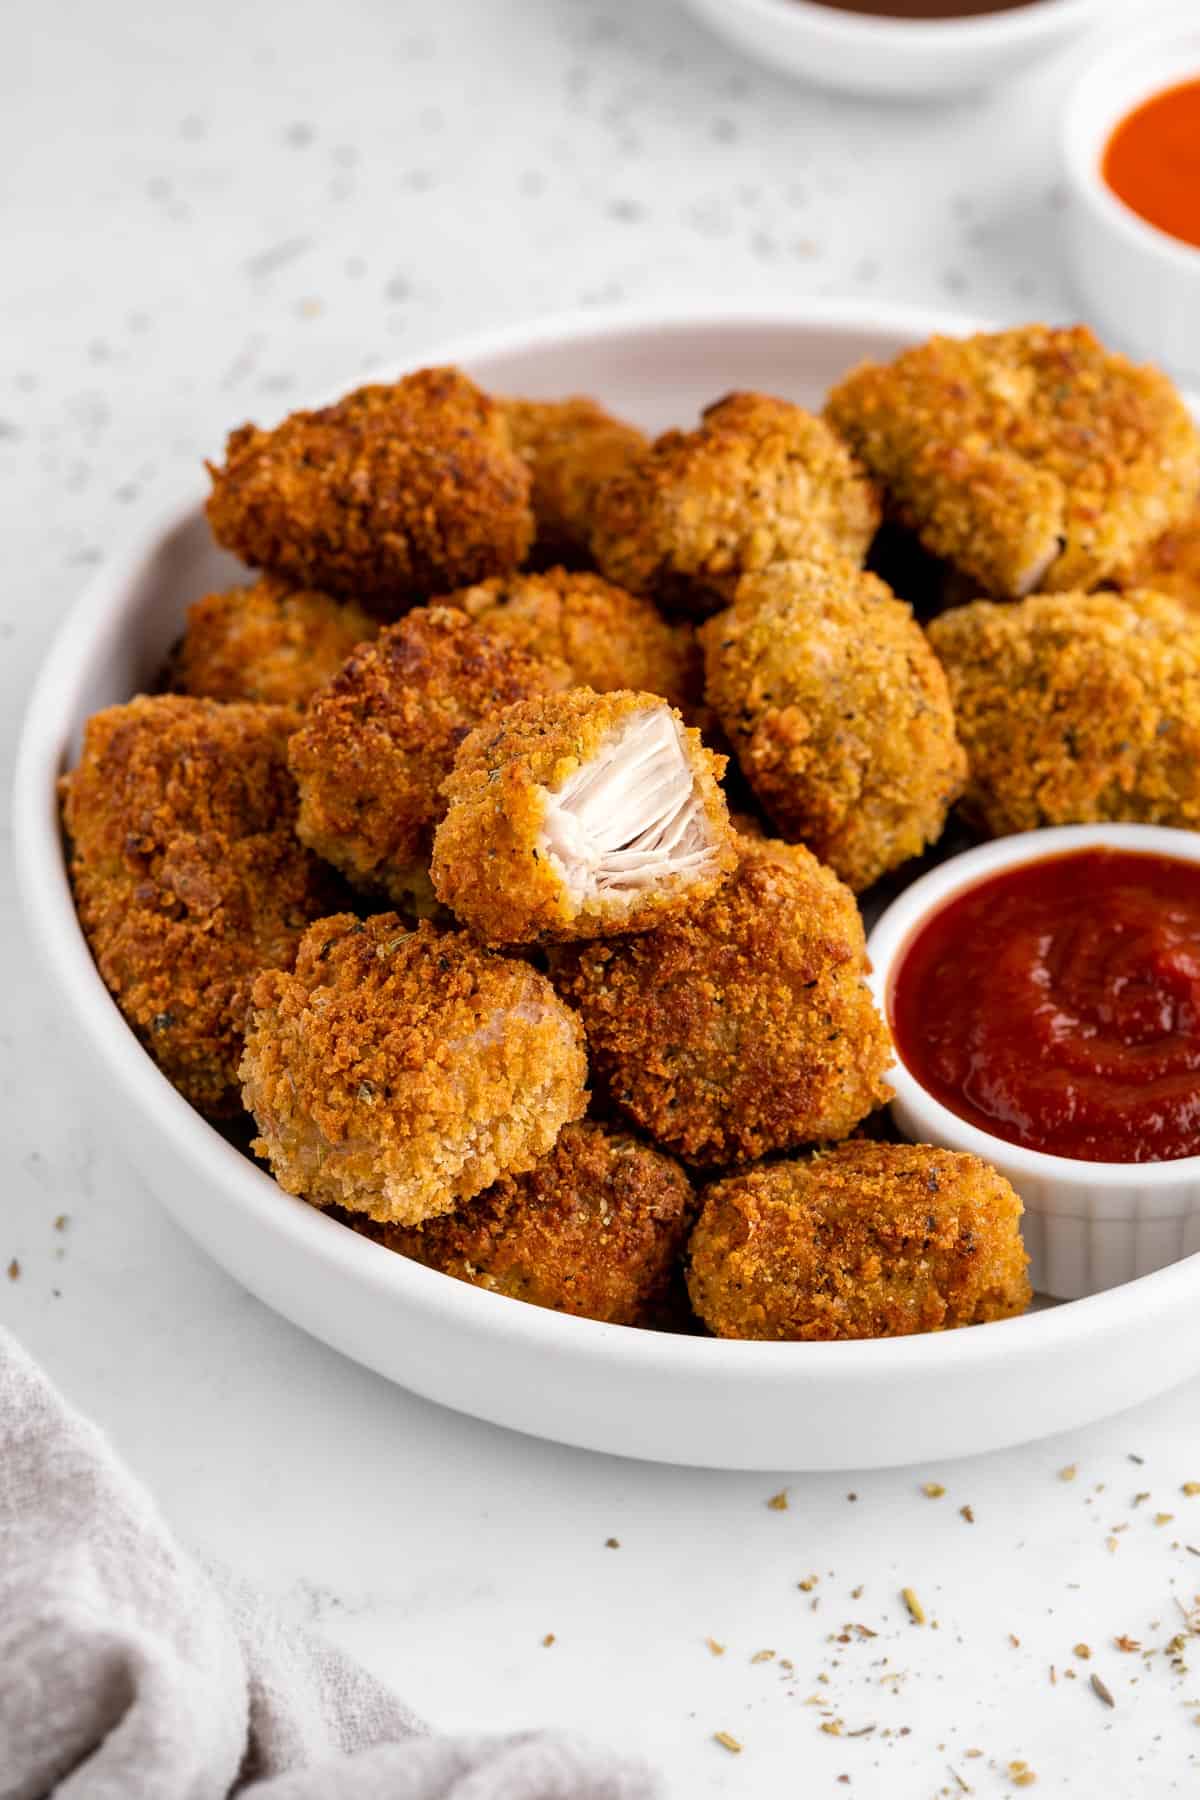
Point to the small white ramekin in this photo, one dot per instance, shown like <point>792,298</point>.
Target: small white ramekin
<point>902,58</point>
<point>1141,285</point>
<point>1088,1225</point>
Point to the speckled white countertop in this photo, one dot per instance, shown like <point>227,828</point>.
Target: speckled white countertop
<point>208,215</point>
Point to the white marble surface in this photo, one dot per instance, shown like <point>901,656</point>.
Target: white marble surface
<point>205,218</point>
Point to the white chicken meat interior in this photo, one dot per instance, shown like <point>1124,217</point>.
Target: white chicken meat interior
<point>630,817</point>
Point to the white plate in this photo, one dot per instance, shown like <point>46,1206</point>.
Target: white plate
<point>860,53</point>
<point>671,1399</point>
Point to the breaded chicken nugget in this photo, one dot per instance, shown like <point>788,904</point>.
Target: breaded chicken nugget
<point>579,815</point>
<point>590,633</point>
<point>838,713</point>
<point>1171,565</point>
<point>571,447</point>
<point>380,739</point>
<point>396,492</point>
<point>866,1240</point>
<point>745,1027</point>
<point>1076,707</point>
<point>759,481</point>
<point>187,875</point>
<point>399,1071</point>
<point>594,1229</point>
<point>269,642</point>
<point>1030,458</point>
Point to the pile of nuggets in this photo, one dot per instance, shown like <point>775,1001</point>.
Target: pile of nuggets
<point>497,848</point>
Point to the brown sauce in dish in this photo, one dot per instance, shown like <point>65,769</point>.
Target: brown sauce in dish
<point>925,9</point>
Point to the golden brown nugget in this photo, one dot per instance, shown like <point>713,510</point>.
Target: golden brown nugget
<point>401,1070</point>
<point>759,481</point>
<point>744,1028</point>
<point>862,1241</point>
<point>594,1229</point>
<point>1076,707</point>
<point>571,448</point>
<point>589,633</point>
<point>1031,458</point>
<point>396,492</point>
<point>270,642</point>
<point>378,742</point>
<point>838,713</point>
<point>579,815</point>
<point>187,875</point>
<point>1171,565</point>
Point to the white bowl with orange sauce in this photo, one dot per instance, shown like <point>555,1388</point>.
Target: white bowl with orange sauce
<point>887,53</point>
<point>1088,1225</point>
<point>1140,282</point>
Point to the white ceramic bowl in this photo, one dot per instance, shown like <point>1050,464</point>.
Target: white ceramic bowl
<point>905,58</point>
<point>1141,285</point>
<point>674,1399</point>
<point>1088,1226</point>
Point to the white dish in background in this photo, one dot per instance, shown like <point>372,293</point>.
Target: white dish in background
<point>1141,284</point>
<point>636,1393</point>
<point>1088,1226</point>
<point>903,58</point>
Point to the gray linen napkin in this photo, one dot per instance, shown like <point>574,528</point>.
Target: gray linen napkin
<point>128,1672</point>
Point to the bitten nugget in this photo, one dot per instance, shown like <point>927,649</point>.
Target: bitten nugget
<point>269,642</point>
<point>744,1028</point>
<point>1030,458</point>
<point>187,875</point>
<point>571,447</point>
<point>1076,707</point>
<point>589,633</point>
<point>394,493</point>
<point>399,1071</point>
<point>595,1229</point>
<point>579,815</point>
<point>759,481</point>
<point>1171,565</point>
<point>866,1240</point>
<point>838,713</point>
<point>380,739</point>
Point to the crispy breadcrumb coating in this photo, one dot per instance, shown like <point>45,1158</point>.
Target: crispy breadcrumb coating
<point>759,481</point>
<point>865,1240</point>
<point>1076,707</point>
<point>594,1229</point>
<point>590,633</point>
<point>187,875</point>
<point>270,642</point>
<point>744,1028</point>
<point>401,1070</point>
<point>571,448</point>
<point>1031,458</point>
<point>1171,565</point>
<point>838,713</point>
<point>378,742</point>
<point>396,492</point>
<point>579,815</point>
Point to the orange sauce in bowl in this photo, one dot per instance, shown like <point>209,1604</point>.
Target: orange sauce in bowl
<point>1152,161</point>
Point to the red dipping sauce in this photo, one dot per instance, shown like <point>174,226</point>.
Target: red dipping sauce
<point>1057,1005</point>
<point>1152,161</point>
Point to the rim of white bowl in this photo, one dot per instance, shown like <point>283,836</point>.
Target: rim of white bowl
<point>1090,117</point>
<point>1037,18</point>
<point>50,917</point>
<point>895,929</point>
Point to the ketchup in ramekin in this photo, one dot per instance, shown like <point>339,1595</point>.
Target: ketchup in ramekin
<point>1057,1006</point>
